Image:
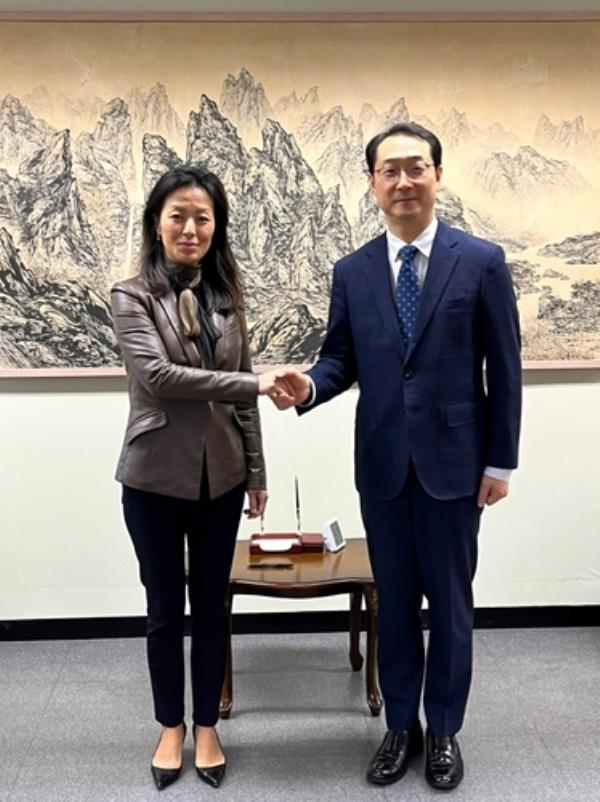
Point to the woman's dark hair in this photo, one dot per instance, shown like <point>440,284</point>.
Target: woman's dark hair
<point>409,129</point>
<point>220,273</point>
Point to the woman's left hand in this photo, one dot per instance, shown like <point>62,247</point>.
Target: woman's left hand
<point>257,500</point>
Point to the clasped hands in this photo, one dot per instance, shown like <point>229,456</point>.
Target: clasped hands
<point>286,387</point>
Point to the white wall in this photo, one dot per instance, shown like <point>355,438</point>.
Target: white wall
<point>63,548</point>
<point>64,551</point>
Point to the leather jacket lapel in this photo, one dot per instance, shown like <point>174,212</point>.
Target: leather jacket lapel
<point>168,303</point>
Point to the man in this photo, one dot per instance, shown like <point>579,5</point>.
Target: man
<point>414,315</point>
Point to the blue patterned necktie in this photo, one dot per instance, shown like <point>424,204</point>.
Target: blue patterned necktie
<point>407,292</point>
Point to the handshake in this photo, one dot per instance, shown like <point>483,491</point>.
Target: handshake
<point>286,388</point>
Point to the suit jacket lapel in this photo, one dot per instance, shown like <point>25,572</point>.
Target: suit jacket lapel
<point>168,303</point>
<point>442,261</point>
<point>377,272</point>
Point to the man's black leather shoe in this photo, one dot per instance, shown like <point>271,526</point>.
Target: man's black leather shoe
<point>391,759</point>
<point>444,763</point>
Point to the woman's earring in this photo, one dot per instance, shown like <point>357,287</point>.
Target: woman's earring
<point>158,235</point>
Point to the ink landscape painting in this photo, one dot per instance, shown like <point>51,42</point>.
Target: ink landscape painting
<point>92,115</point>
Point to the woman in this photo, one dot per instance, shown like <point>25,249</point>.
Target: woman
<point>192,448</point>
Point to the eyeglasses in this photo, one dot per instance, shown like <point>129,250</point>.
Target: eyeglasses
<point>415,172</point>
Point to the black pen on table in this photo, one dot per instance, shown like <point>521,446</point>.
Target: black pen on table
<point>297,489</point>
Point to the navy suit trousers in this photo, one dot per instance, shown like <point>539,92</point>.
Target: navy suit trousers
<point>423,547</point>
<point>158,526</point>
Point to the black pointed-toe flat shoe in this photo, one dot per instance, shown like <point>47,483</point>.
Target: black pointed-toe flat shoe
<point>211,775</point>
<point>444,764</point>
<point>391,759</point>
<point>165,777</point>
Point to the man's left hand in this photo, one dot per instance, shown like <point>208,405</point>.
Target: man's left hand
<point>491,490</point>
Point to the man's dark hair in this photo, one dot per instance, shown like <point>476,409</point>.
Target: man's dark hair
<point>409,129</point>
<point>220,272</point>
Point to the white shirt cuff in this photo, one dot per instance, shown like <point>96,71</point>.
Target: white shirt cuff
<point>503,474</point>
<point>311,398</point>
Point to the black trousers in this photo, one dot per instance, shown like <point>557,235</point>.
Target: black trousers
<point>421,546</point>
<point>158,526</point>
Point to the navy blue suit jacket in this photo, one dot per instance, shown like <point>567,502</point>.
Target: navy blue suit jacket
<point>429,403</point>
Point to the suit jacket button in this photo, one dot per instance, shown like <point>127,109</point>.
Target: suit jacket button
<point>408,373</point>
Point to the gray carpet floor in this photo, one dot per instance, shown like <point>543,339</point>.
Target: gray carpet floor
<point>76,723</point>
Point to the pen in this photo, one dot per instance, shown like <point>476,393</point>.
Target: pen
<point>270,565</point>
<point>297,489</point>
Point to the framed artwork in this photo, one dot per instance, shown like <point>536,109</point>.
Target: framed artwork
<point>91,114</point>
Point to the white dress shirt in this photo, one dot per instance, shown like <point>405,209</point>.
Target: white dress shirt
<point>423,243</point>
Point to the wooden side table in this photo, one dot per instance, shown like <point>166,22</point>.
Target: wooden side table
<point>312,575</point>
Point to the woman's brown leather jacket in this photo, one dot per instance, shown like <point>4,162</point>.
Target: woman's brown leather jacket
<point>184,419</point>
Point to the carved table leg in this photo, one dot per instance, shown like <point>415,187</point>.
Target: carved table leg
<point>356,660</point>
<point>373,695</point>
<point>226,702</point>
